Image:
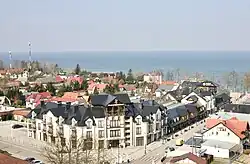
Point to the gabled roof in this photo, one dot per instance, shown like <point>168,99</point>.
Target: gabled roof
<point>101,100</point>
<point>123,98</point>
<point>237,108</point>
<point>233,124</point>
<point>189,156</point>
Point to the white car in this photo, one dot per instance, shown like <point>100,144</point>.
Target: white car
<point>37,162</point>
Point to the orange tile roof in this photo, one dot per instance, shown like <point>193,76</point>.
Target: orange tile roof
<point>24,112</point>
<point>5,159</point>
<point>168,82</point>
<point>235,125</point>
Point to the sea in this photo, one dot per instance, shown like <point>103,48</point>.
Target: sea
<point>208,62</point>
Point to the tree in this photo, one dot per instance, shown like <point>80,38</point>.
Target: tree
<point>77,69</point>
<point>80,153</point>
<point>85,85</point>
<point>247,80</point>
<point>51,88</point>
<point>130,78</point>
<point>109,89</point>
<point>96,91</point>
<point>76,86</point>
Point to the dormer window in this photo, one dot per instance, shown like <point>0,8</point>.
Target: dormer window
<point>89,124</point>
<point>138,121</point>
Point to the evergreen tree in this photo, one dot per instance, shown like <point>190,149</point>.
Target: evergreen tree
<point>51,88</point>
<point>130,77</point>
<point>77,69</point>
<point>76,86</point>
<point>84,85</point>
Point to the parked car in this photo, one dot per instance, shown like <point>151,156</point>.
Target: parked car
<point>169,149</point>
<point>29,159</point>
<point>16,126</point>
<point>37,162</point>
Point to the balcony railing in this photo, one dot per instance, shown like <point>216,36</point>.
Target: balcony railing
<point>73,132</point>
<point>60,130</point>
<point>50,130</point>
<point>32,126</point>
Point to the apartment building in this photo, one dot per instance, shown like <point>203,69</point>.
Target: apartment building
<point>110,121</point>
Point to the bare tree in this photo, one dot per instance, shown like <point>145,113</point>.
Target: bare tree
<point>76,152</point>
<point>247,81</point>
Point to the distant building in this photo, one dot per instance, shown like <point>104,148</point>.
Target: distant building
<point>154,77</point>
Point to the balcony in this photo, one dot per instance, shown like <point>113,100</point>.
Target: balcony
<point>60,131</point>
<point>32,127</point>
<point>50,130</point>
<point>73,133</point>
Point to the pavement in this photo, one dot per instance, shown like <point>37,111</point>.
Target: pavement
<point>155,155</point>
<point>17,142</point>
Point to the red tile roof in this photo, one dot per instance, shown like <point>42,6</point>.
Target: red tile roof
<point>5,159</point>
<point>235,125</point>
<point>190,156</point>
<point>23,112</point>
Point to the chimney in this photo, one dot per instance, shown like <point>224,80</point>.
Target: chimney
<point>142,105</point>
<point>42,104</point>
<point>67,107</point>
<point>59,103</point>
<point>153,102</point>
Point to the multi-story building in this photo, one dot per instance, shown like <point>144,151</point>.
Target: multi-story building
<point>110,121</point>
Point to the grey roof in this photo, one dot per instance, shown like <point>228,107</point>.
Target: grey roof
<point>194,141</point>
<point>79,112</point>
<point>123,98</point>
<point>205,93</point>
<point>237,108</point>
<point>191,108</point>
<point>101,100</point>
<point>218,144</point>
<point>164,87</point>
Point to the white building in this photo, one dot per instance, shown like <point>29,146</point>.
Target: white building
<point>153,78</point>
<point>107,123</point>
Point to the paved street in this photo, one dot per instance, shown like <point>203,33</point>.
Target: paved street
<point>16,142</point>
<point>156,154</point>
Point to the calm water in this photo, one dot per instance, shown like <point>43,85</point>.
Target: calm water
<point>215,62</point>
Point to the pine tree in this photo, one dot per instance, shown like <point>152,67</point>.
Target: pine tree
<point>77,69</point>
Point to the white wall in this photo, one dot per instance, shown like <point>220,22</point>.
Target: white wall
<point>217,152</point>
<point>222,135</point>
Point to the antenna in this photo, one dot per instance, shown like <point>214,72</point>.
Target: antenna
<point>10,56</point>
<point>29,67</point>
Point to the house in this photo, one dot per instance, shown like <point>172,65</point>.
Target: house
<point>107,121</point>
<point>236,108</point>
<point>225,138</point>
<point>221,100</point>
<point>153,77</point>
<point>20,115</point>
<point>99,87</point>
<point>34,99</point>
<point>103,122</point>
<point>164,88</point>
<point>7,159</point>
<point>185,159</point>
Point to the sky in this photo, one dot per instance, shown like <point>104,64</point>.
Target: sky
<point>83,25</point>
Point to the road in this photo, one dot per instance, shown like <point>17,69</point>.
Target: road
<point>19,151</point>
<point>157,154</point>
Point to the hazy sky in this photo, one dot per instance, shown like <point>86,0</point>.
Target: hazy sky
<point>65,25</point>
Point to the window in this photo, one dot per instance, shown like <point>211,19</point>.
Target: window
<point>89,134</point>
<point>114,123</point>
<point>138,121</point>
<point>139,141</point>
<point>216,133</point>
<point>228,134</point>
<point>89,125</point>
<point>39,126</point>
<point>115,133</point>
<point>100,124</point>
<point>138,130</point>
<point>101,133</point>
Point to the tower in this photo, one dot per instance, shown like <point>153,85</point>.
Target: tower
<point>10,56</point>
